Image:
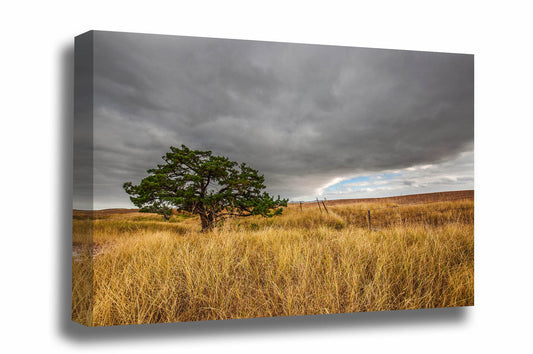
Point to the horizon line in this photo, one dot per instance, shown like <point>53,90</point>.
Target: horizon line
<point>313,201</point>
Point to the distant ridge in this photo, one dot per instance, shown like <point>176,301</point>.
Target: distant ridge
<point>102,212</point>
<point>407,199</point>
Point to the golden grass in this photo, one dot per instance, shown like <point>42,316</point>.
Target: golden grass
<point>143,270</point>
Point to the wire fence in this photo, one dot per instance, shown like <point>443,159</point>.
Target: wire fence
<point>387,216</point>
<point>394,216</point>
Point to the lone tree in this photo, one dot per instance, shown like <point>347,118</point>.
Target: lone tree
<point>198,182</point>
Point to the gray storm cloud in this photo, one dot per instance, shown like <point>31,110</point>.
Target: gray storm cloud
<point>302,115</point>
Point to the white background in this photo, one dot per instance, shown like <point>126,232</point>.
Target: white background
<point>36,93</point>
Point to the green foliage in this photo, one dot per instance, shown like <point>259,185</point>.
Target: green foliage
<point>198,182</point>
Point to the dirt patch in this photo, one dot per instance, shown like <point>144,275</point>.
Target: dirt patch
<point>96,250</point>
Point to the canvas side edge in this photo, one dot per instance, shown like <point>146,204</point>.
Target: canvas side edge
<point>83,179</point>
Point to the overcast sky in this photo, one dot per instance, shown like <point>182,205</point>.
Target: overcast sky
<point>317,121</point>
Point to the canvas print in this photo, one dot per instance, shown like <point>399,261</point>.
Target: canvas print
<point>226,179</point>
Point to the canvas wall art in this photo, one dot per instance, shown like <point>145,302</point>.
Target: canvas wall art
<point>226,179</point>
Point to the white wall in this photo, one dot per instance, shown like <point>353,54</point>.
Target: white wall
<point>36,43</point>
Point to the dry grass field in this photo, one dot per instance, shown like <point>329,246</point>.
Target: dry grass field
<point>133,268</point>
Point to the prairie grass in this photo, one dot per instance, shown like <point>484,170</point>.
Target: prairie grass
<point>303,262</point>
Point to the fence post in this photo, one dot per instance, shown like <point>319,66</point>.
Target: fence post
<point>318,205</point>
<point>369,221</point>
<point>324,205</point>
<point>300,206</point>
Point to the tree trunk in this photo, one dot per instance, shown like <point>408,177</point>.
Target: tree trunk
<point>208,217</point>
<point>203,219</point>
<point>206,223</point>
